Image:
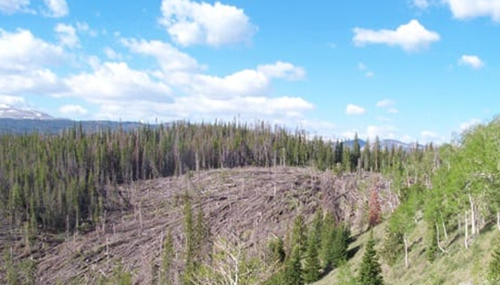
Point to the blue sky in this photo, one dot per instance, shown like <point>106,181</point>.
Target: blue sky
<point>401,69</point>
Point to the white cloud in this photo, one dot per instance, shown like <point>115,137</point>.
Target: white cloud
<point>24,61</point>
<point>12,100</point>
<point>422,4</point>
<point>116,81</point>
<point>410,37</point>
<point>67,35</point>
<point>385,103</point>
<point>14,6</point>
<point>469,124</point>
<point>471,61</point>
<point>468,9</point>
<point>168,57</point>
<point>388,104</point>
<point>56,8</point>
<point>283,70</point>
<point>191,23</point>
<point>354,110</point>
<point>73,110</point>
<point>21,51</point>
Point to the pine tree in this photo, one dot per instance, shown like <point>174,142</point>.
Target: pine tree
<point>494,267</point>
<point>312,265</point>
<point>166,259</point>
<point>277,251</point>
<point>190,240</point>
<point>293,269</point>
<point>299,237</point>
<point>370,271</point>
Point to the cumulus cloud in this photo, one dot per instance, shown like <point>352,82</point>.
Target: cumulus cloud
<point>192,23</point>
<point>410,37</point>
<point>67,35</point>
<point>56,8</point>
<point>116,81</point>
<point>21,50</point>
<point>354,110</point>
<point>73,110</point>
<point>472,61</point>
<point>14,6</point>
<point>12,100</point>
<point>25,62</point>
<point>168,57</point>
<point>283,70</point>
<point>468,9</point>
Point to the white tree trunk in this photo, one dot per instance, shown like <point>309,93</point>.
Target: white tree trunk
<point>498,220</point>
<point>466,227</point>
<point>444,229</point>
<point>472,216</point>
<point>437,237</point>
<point>405,239</point>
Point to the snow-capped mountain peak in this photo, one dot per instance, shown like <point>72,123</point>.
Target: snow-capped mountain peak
<point>10,112</point>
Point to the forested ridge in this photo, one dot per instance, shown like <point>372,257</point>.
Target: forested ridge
<point>70,183</point>
<point>62,182</point>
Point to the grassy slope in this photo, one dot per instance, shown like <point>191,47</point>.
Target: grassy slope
<point>459,267</point>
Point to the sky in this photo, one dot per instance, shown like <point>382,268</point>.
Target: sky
<point>411,70</point>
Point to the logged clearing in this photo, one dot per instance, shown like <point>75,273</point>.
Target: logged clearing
<point>253,204</point>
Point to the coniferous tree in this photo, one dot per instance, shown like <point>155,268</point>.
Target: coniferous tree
<point>312,264</point>
<point>494,267</point>
<point>293,269</point>
<point>190,241</point>
<point>370,271</point>
<point>167,257</point>
<point>299,237</point>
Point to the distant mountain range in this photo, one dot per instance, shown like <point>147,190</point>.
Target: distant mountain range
<point>389,143</point>
<point>9,112</point>
<point>19,121</point>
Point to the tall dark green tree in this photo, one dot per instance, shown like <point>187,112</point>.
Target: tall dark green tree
<point>312,264</point>
<point>370,271</point>
<point>293,274</point>
<point>355,153</point>
<point>493,275</point>
<point>299,236</point>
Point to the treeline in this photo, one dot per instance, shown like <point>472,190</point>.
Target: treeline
<point>66,182</point>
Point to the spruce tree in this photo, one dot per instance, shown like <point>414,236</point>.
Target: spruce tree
<point>167,257</point>
<point>370,271</point>
<point>312,265</point>
<point>190,240</point>
<point>299,237</point>
<point>494,267</point>
<point>293,268</point>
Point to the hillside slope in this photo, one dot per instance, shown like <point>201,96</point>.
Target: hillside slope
<point>255,204</point>
<point>459,266</point>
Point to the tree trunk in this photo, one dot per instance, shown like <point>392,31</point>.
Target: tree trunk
<point>437,237</point>
<point>498,220</point>
<point>444,229</point>
<point>466,240</point>
<point>472,216</point>
<point>405,239</point>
